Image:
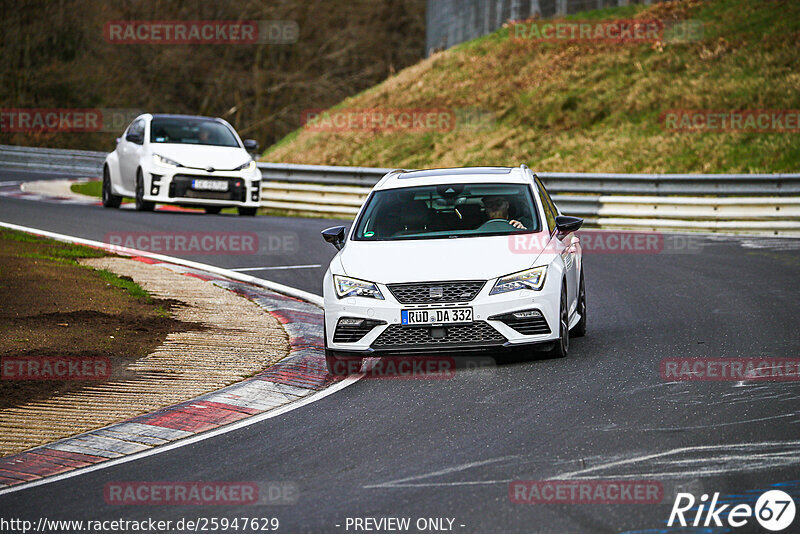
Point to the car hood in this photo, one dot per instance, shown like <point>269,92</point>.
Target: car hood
<point>222,158</point>
<point>474,258</point>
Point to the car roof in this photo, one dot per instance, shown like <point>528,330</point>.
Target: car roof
<point>463,175</point>
<point>175,116</point>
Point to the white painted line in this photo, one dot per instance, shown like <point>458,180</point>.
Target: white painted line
<point>352,379</point>
<point>276,268</point>
<point>273,286</point>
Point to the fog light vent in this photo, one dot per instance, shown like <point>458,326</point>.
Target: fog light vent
<point>530,314</point>
<point>352,329</point>
<point>526,322</point>
<point>350,321</point>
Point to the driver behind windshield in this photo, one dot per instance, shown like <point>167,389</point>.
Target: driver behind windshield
<point>204,135</point>
<point>496,208</point>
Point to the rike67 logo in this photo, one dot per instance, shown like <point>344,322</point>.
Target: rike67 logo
<point>774,510</point>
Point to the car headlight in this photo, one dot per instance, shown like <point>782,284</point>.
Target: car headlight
<point>165,162</point>
<point>353,287</point>
<point>529,279</point>
<point>247,167</point>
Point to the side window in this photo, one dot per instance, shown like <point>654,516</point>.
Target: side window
<point>140,129</point>
<point>135,131</point>
<point>547,204</point>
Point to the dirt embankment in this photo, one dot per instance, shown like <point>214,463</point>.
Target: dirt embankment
<point>53,307</point>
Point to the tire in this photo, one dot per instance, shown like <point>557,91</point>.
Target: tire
<point>579,330</point>
<point>342,365</point>
<point>141,203</point>
<point>247,212</point>
<point>561,348</point>
<point>212,210</point>
<point>110,200</point>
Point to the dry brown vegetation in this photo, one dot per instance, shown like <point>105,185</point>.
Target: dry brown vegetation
<point>55,56</point>
<point>590,106</point>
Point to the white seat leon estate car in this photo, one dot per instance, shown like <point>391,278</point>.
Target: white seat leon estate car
<point>463,259</point>
<point>185,160</point>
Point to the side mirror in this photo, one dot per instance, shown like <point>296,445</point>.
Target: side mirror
<point>566,225</point>
<point>251,145</point>
<point>119,139</point>
<point>334,236</point>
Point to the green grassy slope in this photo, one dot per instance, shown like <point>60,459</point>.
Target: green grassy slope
<point>590,106</point>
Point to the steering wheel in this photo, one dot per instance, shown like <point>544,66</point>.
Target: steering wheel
<point>496,225</point>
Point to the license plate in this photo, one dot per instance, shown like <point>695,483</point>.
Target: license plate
<point>210,185</point>
<point>436,316</point>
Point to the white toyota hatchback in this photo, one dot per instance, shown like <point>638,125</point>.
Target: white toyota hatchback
<point>185,160</point>
<point>457,259</point>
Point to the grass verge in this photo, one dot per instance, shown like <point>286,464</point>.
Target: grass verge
<point>92,188</point>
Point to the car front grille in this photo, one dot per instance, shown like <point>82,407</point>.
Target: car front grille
<point>181,187</point>
<point>425,293</point>
<point>402,337</point>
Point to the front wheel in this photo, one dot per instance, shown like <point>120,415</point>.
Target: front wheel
<point>561,347</point>
<point>249,212</point>
<point>141,203</point>
<point>110,200</point>
<point>579,330</point>
<point>342,365</point>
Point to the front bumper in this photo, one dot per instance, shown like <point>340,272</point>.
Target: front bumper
<point>174,186</point>
<point>491,328</point>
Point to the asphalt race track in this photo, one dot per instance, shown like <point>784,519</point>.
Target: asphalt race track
<point>450,448</point>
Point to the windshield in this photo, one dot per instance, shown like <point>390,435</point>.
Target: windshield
<point>191,132</point>
<point>445,211</point>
